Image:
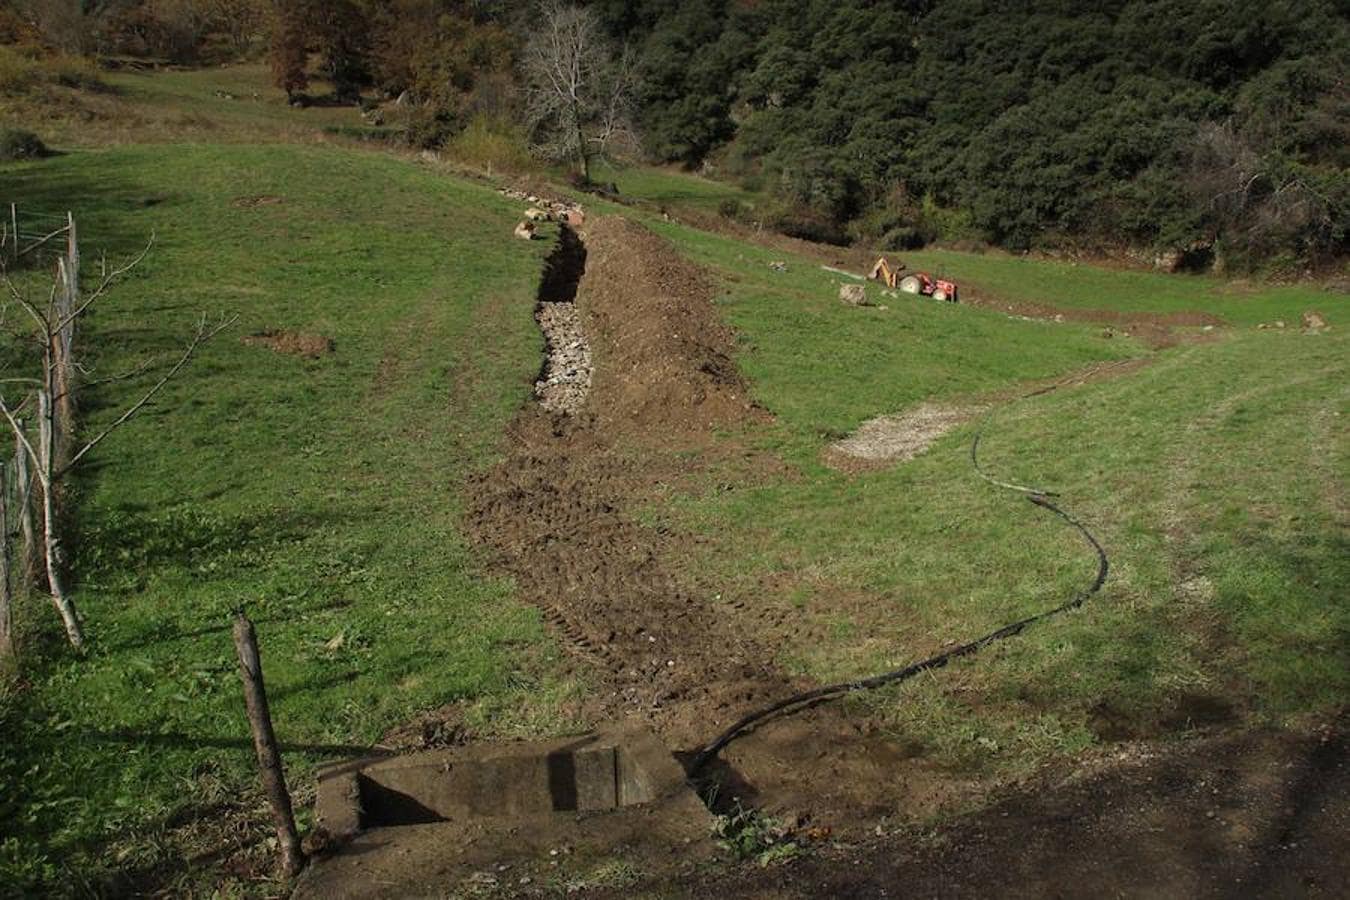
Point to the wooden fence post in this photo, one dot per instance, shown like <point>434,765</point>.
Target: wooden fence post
<point>265,743</point>
<point>63,342</point>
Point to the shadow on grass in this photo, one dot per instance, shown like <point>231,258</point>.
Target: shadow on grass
<point>131,738</point>
<point>99,196</point>
<point>127,542</point>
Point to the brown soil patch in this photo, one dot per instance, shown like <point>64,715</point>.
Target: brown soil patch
<point>295,343</point>
<point>1224,815</point>
<point>897,438</point>
<point>255,202</point>
<point>663,356</point>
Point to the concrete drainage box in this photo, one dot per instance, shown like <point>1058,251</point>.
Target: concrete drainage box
<point>516,781</point>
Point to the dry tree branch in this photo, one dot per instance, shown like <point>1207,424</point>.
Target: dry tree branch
<point>107,281</point>
<point>202,335</point>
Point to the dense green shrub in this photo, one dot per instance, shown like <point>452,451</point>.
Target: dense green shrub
<point>18,144</point>
<point>1025,124</point>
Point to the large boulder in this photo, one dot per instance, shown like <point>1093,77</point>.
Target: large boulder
<point>853,295</point>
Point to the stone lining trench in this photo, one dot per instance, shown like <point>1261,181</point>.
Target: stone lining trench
<point>565,380</point>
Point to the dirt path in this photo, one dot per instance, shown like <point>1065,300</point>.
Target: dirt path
<point>1227,814</point>
<point>560,515</point>
<point>1256,814</point>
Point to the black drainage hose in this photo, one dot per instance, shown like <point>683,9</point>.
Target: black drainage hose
<point>808,698</point>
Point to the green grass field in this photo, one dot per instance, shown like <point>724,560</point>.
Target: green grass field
<point>323,493</point>
<point>1215,477</point>
<point>669,187</point>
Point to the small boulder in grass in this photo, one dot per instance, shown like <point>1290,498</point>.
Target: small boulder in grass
<point>18,144</point>
<point>853,295</point>
<point>1313,321</point>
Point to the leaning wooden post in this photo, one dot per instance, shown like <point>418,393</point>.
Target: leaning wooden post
<point>265,743</point>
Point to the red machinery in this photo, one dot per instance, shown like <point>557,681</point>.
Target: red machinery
<point>914,283</point>
<point>920,283</point>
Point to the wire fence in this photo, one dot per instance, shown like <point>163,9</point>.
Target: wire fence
<point>29,236</point>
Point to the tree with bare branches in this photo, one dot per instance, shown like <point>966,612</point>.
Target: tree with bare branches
<point>579,92</point>
<point>1254,199</point>
<point>53,453</point>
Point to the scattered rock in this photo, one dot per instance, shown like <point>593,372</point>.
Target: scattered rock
<point>566,380</point>
<point>535,214</point>
<point>525,230</point>
<point>778,265</point>
<point>1279,323</point>
<point>853,295</point>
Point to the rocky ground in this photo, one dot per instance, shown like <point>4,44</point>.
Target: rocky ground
<point>566,379</point>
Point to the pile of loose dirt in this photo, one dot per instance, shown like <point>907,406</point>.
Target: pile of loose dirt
<point>897,438</point>
<point>295,343</point>
<point>663,355</point>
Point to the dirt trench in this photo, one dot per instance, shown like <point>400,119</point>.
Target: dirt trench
<point>560,516</point>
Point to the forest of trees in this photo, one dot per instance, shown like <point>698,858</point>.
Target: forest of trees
<point>1218,126</point>
<point>1140,123</point>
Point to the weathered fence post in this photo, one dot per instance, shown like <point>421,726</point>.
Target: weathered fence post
<point>63,342</point>
<point>265,743</point>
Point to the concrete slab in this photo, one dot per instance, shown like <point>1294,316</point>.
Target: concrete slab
<point>422,818</point>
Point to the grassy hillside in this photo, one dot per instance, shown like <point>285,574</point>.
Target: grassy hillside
<point>323,492</point>
<point>320,492</point>
<point>1215,477</point>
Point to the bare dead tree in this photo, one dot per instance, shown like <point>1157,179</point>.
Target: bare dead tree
<point>6,581</point>
<point>1253,199</point>
<point>31,558</point>
<point>578,94</point>
<point>52,456</point>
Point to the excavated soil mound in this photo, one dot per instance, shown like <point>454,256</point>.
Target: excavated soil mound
<point>662,353</point>
<point>295,343</point>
